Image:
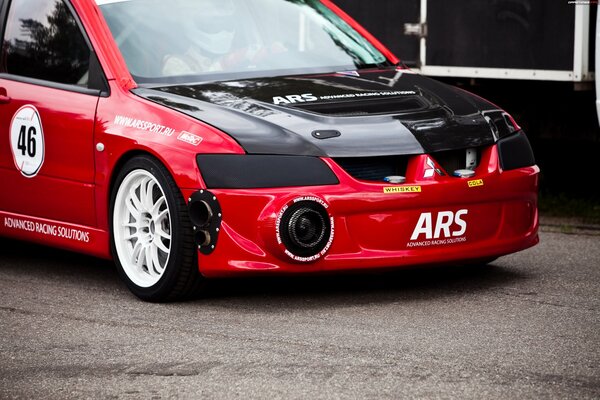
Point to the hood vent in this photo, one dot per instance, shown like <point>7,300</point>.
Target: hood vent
<point>394,105</point>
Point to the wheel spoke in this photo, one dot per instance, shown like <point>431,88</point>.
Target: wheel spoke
<point>128,227</point>
<point>156,208</point>
<point>132,208</point>
<point>161,233</point>
<point>136,200</point>
<point>156,261</point>
<point>163,214</point>
<point>146,193</point>
<point>141,259</point>
<point>161,246</point>
<point>135,254</point>
<point>130,236</point>
<point>149,261</point>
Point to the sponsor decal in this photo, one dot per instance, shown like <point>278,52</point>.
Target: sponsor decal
<point>401,189</point>
<point>308,97</point>
<point>278,233</point>
<point>47,229</point>
<point>190,138</point>
<point>475,183</point>
<point>27,141</point>
<point>142,125</point>
<point>449,228</point>
<point>294,98</point>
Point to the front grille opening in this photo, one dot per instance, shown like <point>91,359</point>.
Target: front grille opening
<point>373,168</point>
<point>451,160</point>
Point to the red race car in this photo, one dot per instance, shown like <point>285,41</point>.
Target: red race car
<point>189,139</point>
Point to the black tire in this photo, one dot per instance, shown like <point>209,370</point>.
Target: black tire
<point>181,278</point>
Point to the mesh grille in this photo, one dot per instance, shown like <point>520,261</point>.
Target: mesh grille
<point>377,168</point>
<point>373,168</point>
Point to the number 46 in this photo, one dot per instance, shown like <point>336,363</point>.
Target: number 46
<point>27,145</point>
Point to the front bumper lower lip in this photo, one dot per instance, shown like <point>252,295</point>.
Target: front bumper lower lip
<point>373,259</point>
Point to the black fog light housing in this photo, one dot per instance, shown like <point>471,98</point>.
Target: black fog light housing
<point>305,229</point>
<point>205,214</point>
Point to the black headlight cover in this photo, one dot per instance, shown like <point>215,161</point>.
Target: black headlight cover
<point>254,171</point>
<point>515,152</point>
<point>500,122</point>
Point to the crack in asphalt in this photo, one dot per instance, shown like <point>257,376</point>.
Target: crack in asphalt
<point>527,298</point>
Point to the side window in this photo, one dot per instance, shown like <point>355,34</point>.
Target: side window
<point>42,40</point>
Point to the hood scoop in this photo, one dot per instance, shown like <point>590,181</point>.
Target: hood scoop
<point>395,105</point>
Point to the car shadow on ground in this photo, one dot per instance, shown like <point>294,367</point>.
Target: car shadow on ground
<point>32,260</point>
<point>358,288</point>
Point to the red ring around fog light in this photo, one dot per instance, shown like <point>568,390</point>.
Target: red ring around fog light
<point>305,229</point>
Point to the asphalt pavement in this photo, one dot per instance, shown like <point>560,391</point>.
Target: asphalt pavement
<point>526,327</point>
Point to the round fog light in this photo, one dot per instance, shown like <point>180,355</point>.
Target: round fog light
<point>305,230</point>
<point>306,227</point>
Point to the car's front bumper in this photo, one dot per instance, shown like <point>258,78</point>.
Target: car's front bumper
<point>375,229</point>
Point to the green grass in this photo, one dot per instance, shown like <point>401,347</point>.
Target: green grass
<point>562,205</point>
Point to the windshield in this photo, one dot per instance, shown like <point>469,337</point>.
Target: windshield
<point>174,41</point>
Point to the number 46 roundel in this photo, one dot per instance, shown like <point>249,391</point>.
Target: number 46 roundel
<point>27,140</point>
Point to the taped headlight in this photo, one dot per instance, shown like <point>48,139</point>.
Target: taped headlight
<point>249,171</point>
<point>515,152</point>
<point>501,123</point>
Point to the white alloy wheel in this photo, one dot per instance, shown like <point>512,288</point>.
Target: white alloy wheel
<point>142,228</point>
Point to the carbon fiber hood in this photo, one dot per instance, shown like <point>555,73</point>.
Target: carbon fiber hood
<point>367,113</point>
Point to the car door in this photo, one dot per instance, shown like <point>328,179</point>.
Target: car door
<point>50,83</point>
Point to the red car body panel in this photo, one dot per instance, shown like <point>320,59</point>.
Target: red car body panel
<point>67,204</point>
